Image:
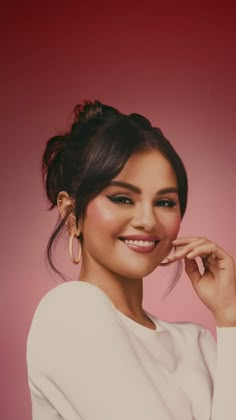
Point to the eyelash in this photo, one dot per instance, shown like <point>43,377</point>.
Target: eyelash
<point>117,200</point>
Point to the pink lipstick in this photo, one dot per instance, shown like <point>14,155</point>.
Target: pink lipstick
<point>140,243</point>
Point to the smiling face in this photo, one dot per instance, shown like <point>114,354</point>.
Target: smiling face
<point>148,208</point>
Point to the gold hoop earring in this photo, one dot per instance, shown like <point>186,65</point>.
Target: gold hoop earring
<point>163,264</point>
<point>75,260</point>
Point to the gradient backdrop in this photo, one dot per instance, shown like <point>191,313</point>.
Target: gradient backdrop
<point>175,66</point>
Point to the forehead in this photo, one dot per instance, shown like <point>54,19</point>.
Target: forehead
<point>148,167</point>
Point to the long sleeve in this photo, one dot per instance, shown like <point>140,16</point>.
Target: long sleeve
<point>64,347</point>
<point>88,361</point>
<point>81,359</point>
<point>42,409</point>
<point>224,398</point>
<point>220,359</point>
<point>48,359</point>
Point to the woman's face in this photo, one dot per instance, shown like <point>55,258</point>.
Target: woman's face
<point>147,209</point>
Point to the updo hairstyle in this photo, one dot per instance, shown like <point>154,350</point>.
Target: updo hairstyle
<point>84,160</point>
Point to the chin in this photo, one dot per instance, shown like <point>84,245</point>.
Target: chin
<point>137,273</point>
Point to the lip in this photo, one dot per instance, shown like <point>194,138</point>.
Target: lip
<point>141,238</point>
<point>139,248</point>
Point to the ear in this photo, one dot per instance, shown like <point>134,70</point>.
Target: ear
<point>65,204</point>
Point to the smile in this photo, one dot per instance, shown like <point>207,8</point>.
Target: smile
<point>139,243</point>
<point>140,246</point>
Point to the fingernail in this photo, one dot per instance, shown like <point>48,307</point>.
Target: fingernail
<point>189,255</point>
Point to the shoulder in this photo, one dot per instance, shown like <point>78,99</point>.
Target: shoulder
<point>194,341</point>
<point>74,312</point>
<point>185,328</point>
<point>189,332</point>
<point>73,297</point>
<point>74,305</point>
<point>75,288</point>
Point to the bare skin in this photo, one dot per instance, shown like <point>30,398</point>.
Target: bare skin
<point>118,211</point>
<point>216,286</point>
<point>117,269</point>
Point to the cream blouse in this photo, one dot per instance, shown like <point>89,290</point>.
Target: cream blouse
<point>88,361</point>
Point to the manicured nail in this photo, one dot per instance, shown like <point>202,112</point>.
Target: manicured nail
<point>190,255</point>
<point>171,257</point>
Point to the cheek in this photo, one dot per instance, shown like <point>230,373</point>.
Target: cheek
<point>172,227</point>
<point>100,216</point>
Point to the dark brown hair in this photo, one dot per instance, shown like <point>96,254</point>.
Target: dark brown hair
<point>84,160</point>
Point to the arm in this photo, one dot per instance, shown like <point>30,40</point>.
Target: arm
<point>220,358</point>
<point>216,287</point>
<point>224,397</point>
<point>41,407</point>
<point>80,359</point>
<point>50,362</point>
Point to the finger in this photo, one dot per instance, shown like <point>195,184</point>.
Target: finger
<point>192,271</point>
<point>187,240</point>
<point>200,247</point>
<point>190,246</point>
<point>182,251</point>
<point>208,250</point>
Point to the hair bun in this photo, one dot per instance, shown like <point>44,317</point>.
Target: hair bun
<point>141,120</point>
<point>86,111</point>
<point>52,166</point>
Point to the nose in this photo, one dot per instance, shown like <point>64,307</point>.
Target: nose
<point>144,218</point>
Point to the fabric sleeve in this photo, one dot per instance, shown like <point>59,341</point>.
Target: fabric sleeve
<point>220,358</point>
<point>72,360</point>
<point>41,407</point>
<point>53,358</point>
<point>224,397</point>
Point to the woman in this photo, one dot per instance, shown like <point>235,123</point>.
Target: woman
<point>93,352</point>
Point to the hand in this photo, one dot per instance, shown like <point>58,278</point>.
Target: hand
<point>216,286</point>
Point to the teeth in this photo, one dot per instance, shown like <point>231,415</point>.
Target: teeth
<point>139,243</point>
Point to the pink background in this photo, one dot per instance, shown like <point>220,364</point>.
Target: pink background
<point>178,69</point>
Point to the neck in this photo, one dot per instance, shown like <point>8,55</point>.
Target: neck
<point>126,294</point>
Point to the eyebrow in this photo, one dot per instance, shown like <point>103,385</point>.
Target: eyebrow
<point>137,190</point>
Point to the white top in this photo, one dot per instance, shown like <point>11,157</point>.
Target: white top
<point>88,361</point>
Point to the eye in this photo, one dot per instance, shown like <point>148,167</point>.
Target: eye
<point>120,199</point>
<point>166,203</point>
